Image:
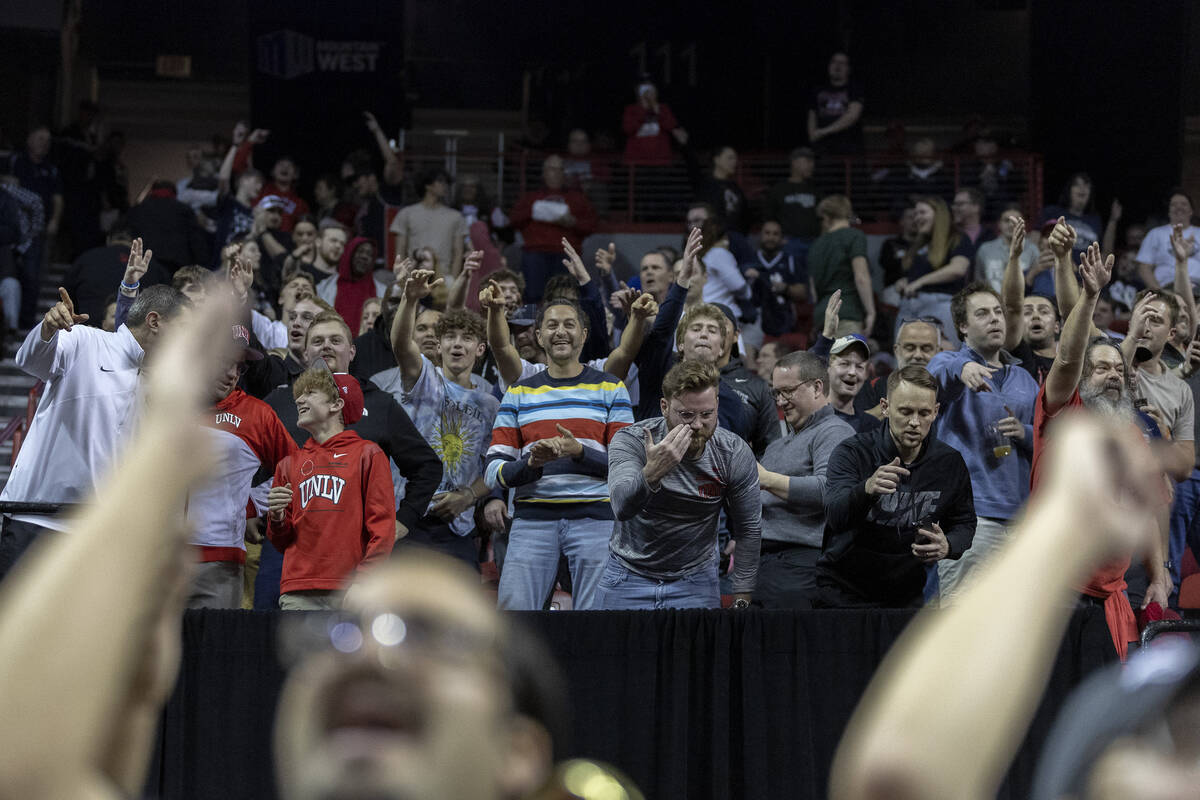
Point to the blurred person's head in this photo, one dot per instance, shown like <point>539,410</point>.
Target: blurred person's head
<point>426,258</point>
<point>834,211</point>
<point>434,184</point>
<point>978,315</point>
<point>327,191</point>
<point>579,144</point>
<point>422,690</point>
<point>304,232</point>
<point>296,285</point>
<point>249,185</point>
<point>770,238</point>
<point>330,338</point>
<point>562,287</point>
<point>918,341</point>
<point>1179,208</point>
<point>922,151</point>
<point>698,213</point>
<point>38,142</point>
<point>1041,321</point>
<point>910,407</point>
<point>690,391</point>
<point>968,206</point>
<point>701,333</point>
<point>235,365</point>
<point>768,355</point>
<point>512,286</point>
<point>800,385</point>
<point>425,333</point>
<point>192,281</point>
<point>285,172</point>
<point>561,331</point>
<point>655,273</point>
<point>1076,196</point>
<point>1004,224</point>
<point>362,260</point>
<point>801,163</point>
<point>908,223</point>
<point>552,173</point>
<point>331,243</point>
<point>724,163</point>
<point>1135,234</point>
<point>839,68</point>
<point>371,309</point>
<point>1162,313</point>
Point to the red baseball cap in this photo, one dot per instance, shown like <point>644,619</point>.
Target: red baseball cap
<point>352,395</point>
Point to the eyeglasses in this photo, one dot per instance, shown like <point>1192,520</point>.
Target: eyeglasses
<point>786,392</point>
<point>392,636</point>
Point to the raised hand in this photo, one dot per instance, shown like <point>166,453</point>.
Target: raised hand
<point>1062,238</point>
<point>691,258</point>
<point>138,263</point>
<point>886,479</point>
<point>663,457</point>
<point>259,135</point>
<point>420,283</point>
<point>372,123</point>
<point>606,258</point>
<point>278,500</point>
<point>1094,271</point>
<point>931,545</point>
<point>574,263</point>
<point>492,297</point>
<point>472,262</point>
<point>975,376</point>
<point>241,276</point>
<point>644,307</point>
<point>1181,247</point>
<point>1017,245</point>
<point>1115,211</point>
<point>832,318</point>
<point>61,317</point>
<point>402,266</point>
<point>622,299</point>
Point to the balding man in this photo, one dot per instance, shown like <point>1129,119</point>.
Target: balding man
<point>544,216</point>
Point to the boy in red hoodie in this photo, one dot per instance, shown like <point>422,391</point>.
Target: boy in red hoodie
<point>332,505</point>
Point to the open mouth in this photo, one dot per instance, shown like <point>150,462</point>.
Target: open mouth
<point>371,707</point>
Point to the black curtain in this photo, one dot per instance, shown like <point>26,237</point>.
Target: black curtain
<point>700,704</point>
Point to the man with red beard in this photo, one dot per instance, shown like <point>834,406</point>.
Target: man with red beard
<point>1093,374</point>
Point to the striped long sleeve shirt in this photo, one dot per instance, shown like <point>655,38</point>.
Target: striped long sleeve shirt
<point>593,405</point>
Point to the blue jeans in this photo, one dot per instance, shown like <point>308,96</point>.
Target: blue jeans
<point>624,590</point>
<point>539,268</point>
<point>531,562</point>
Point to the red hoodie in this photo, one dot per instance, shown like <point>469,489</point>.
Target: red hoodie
<point>352,292</point>
<point>342,516</point>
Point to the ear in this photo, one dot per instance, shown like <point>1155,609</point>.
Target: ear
<point>480,349</point>
<point>338,405</point>
<point>662,404</point>
<point>937,407</point>
<point>529,760</point>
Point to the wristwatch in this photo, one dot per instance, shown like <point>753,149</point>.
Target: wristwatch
<point>741,602</point>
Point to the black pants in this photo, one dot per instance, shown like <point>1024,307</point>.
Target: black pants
<point>831,594</point>
<point>787,576</point>
<point>433,534</point>
<point>15,539</point>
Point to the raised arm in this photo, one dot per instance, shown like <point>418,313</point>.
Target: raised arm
<point>1012,288</point>
<point>866,292</point>
<point>90,621</point>
<point>1066,289</point>
<point>508,360</point>
<point>393,173</point>
<point>641,312</point>
<point>419,284</point>
<point>1076,331</point>
<point>457,296</point>
<point>1100,495</point>
<point>1182,249</point>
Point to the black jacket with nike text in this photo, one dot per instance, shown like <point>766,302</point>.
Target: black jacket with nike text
<point>867,547</point>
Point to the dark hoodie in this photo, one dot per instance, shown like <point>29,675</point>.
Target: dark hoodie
<point>867,547</point>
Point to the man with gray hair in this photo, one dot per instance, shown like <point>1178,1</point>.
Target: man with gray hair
<point>545,216</point>
<point>86,409</point>
<point>792,476</point>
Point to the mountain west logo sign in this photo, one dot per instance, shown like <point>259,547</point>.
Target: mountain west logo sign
<point>287,54</point>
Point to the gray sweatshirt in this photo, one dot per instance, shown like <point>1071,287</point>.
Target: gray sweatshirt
<point>670,532</point>
<point>802,454</point>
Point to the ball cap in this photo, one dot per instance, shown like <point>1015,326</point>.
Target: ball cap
<point>851,340</point>
<point>352,396</point>
<point>241,337</point>
<point>1112,703</point>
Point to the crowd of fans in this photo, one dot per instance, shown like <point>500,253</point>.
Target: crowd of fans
<point>771,408</point>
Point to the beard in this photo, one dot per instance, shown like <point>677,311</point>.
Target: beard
<point>1097,399</point>
<point>699,440</point>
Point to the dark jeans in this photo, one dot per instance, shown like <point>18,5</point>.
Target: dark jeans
<point>266,582</point>
<point>433,534</point>
<point>539,268</point>
<point>31,280</point>
<point>787,576</point>
<point>15,539</point>
<point>831,594</point>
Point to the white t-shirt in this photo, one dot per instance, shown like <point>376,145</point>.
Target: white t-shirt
<point>724,283</point>
<point>1156,249</point>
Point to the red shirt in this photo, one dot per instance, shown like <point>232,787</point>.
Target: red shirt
<point>1108,584</point>
<point>342,516</point>
<point>299,207</point>
<point>648,135</point>
<point>546,237</point>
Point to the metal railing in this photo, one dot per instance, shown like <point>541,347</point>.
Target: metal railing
<point>632,195</point>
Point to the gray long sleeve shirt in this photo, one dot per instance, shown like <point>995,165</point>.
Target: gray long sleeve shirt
<point>671,531</point>
<point>802,455</point>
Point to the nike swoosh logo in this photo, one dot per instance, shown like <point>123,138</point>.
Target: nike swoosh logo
<point>338,455</point>
<point>105,369</point>
<point>740,380</point>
